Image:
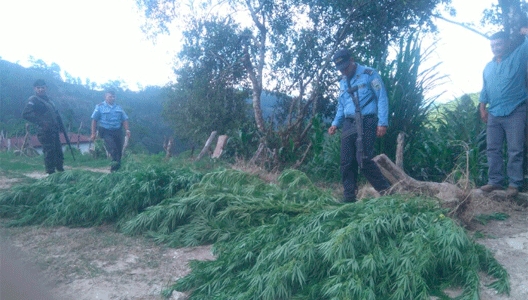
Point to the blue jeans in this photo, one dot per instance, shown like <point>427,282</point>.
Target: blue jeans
<point>510,129</point>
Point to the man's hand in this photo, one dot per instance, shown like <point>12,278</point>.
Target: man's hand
<point>524,30</point>
<point>332,130</point>
<point>381,131</point>
<point>484,116</point>
<point>45,126</point>
<point>483,112</point>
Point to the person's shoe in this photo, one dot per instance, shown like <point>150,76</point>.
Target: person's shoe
<point>512,191</point>
<point>490,188</point>
<point>349,200</point>
<point>114,166</point>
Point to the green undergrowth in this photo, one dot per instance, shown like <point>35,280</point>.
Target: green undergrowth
<point>12,164</point>
<point>283,240</point>
<point>485,218</point>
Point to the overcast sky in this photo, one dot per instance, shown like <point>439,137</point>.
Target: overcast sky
<point>462,53</point>
<point>102,40</point>
<point>97,39</point>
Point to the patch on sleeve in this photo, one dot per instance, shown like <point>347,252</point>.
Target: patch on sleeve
<point>376,84</point>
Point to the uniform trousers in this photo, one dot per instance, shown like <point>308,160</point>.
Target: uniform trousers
<point>113,139</point>
<point>349,160</point>
<point>52,149</point>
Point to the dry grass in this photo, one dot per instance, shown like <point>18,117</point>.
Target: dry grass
<point>253,169</point>
<point>5,182</point>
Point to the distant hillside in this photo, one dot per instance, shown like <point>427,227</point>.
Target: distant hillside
<point>76,103</point>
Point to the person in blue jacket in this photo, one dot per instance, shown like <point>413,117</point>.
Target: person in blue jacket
<point>503,107</point>
<point>374,104</point>
<point>112,119</point>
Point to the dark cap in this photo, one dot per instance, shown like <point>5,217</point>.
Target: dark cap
<point>39,82</point>
<point>501,35</point>
<point>110,91</point>
<point>342,59</point>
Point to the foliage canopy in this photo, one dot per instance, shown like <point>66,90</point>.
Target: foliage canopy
<point>285,46</point>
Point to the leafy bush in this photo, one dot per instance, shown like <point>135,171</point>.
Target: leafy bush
<point>452,145</point>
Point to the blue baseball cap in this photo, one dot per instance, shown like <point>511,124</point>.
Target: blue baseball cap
<point>342,59</point>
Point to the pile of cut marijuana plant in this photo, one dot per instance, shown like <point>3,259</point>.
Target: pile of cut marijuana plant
<point>291,240</point>
<point>284,240</point>
<point>82,198</point>
<point>385,248</point>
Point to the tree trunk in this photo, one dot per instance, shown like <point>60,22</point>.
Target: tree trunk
<point>220,144</point>
<point>450,195</point>
<point>399,149</point>
<point>257,154</point>
<point>167,146</point>
<point>255,70</point>
<point>207,147</point>
<point>259,118</point>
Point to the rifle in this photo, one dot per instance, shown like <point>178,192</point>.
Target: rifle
<point>66,137</point>
<point>353,91</point>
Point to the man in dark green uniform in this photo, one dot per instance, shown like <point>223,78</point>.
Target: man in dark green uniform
<point>42,112</point>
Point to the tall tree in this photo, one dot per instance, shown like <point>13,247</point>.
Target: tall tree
<point>287,46</point>
<point>513,18</point>
<point>210,94</point>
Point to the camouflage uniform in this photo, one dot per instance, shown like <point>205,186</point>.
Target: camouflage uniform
<point>42,112</point>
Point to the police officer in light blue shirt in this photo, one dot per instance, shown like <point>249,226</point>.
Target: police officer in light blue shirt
<point>112,119</point>
<point>505,94</point>
<point>374,105</point>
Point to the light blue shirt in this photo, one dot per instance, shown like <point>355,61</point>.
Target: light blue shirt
<point>373,98</point>
<point>504,87</point>
<point>109,116</point>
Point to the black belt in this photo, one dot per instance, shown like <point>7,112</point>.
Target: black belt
<point>353,118</point>
<point>107,129</point>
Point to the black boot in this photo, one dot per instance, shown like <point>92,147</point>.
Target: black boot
<point>349,199</point>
